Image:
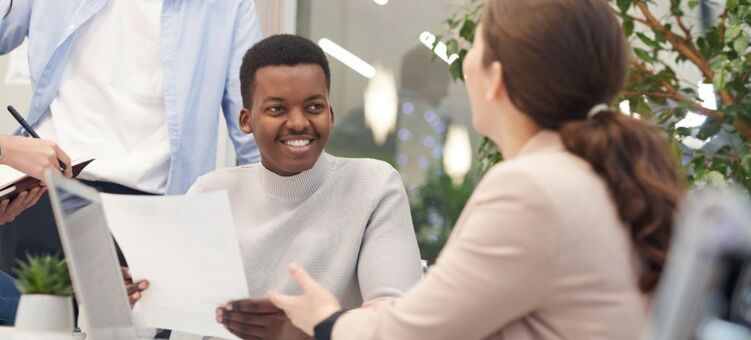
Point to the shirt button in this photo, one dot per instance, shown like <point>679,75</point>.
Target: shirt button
<point>71,28</point>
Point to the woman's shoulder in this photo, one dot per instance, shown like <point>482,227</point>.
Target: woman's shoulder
<point>544,167</point>
<point>557,177</point>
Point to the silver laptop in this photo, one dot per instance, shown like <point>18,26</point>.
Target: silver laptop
<point>92,261</point>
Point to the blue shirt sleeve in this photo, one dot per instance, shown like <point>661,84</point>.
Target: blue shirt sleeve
<point>247,33</point>
<point>15,27</point>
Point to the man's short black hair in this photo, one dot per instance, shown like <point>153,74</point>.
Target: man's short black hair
<point>277,50</point>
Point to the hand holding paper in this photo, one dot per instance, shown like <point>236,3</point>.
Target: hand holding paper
<point>186,247</point>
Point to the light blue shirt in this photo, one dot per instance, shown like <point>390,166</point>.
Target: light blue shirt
<point>202,46</point>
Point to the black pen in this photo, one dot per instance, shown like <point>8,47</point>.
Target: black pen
<point>28,128</point>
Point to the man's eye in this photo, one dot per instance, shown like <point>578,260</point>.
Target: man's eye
<point>275,109</point>
<point>316,107</point>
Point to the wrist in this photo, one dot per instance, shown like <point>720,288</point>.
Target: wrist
<point>323,330</point>
<point>6,149</point>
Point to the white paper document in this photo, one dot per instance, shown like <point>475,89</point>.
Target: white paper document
<point>187,248</point>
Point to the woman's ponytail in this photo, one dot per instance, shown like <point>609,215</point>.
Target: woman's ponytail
<point>636,161</point>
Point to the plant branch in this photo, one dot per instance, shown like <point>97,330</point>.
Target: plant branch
<point>721,27</point>
<point>671,92</point>
<point>679,19</point>
<point>685,47</point>
<point>694,107</point>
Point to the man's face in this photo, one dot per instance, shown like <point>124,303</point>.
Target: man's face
<point>289,116</point>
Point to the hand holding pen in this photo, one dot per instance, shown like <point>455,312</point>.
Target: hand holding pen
<point>32,156</point>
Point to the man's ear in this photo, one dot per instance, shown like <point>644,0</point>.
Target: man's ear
<point>245,122</point>
<point>497,86</point>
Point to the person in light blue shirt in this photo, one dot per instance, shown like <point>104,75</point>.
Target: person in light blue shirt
<point>136,84</point>
<point>201,48</point>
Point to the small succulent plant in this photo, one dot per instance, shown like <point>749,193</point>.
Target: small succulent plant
<point>43,275</point>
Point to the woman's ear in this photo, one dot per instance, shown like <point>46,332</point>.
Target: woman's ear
<point>496,88</point>
<point>245,121</point>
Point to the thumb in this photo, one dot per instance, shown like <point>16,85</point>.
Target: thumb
<point>302,277</point>
<point>281,301</point>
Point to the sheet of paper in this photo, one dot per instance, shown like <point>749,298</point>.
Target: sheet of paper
<point>187,248</point>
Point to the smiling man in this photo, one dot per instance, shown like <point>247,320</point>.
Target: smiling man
<point>346,220</point>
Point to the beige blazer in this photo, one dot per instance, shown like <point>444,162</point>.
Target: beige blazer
<point>538,253</point>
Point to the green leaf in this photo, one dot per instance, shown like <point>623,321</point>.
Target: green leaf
<point>746,164</point>
<point>628,27</point>
<point>43,275</point>
<point>624,5</point>
<point>732,4</point>
<point>647,41</point>
<point>720,79</point>
<point>740,44</point>
<point>468,30</point>
<point>732,32</point>
<point>456,70</point>
<point>693,3</point>
<point>452,46</point>
<point>643,55</point>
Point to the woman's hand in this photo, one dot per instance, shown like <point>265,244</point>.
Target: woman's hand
<point>252,318</point>
<point>134,289</point>
<point>33,156</point>
<point>9,210</point>
<point>309,309</point>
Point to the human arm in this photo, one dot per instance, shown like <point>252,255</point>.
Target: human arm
<point>247,32</point>
<point>389,259</point>
<point>15,26</point>
<point>33,156</point>
<point>490,274</point>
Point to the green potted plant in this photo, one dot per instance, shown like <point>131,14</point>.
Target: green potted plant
<point>46,303</point>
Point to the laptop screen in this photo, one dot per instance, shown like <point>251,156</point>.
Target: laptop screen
<point>92,261</point>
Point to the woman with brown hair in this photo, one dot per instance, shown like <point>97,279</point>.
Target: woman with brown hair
<point>567,237</point>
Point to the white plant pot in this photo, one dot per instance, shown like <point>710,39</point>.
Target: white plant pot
<point>40,312</point>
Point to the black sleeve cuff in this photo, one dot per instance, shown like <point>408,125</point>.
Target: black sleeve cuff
<point>322,331</point>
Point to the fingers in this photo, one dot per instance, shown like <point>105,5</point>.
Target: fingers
<point>15,207</point>
<point>135,291</point>
<point>3,210</point>
<point>137,287</point>
<point>31,198</point>
<point>263,320</point>
<point>39,194</point>
<point>246,331</point>
<point>302,277</point>
<point>284,302</point>
<point>126,274</point>
<point>252,306</point>
<point>63,157</point>
<point>134,298</point>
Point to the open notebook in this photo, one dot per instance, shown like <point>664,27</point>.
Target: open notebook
<point>13,182</point>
